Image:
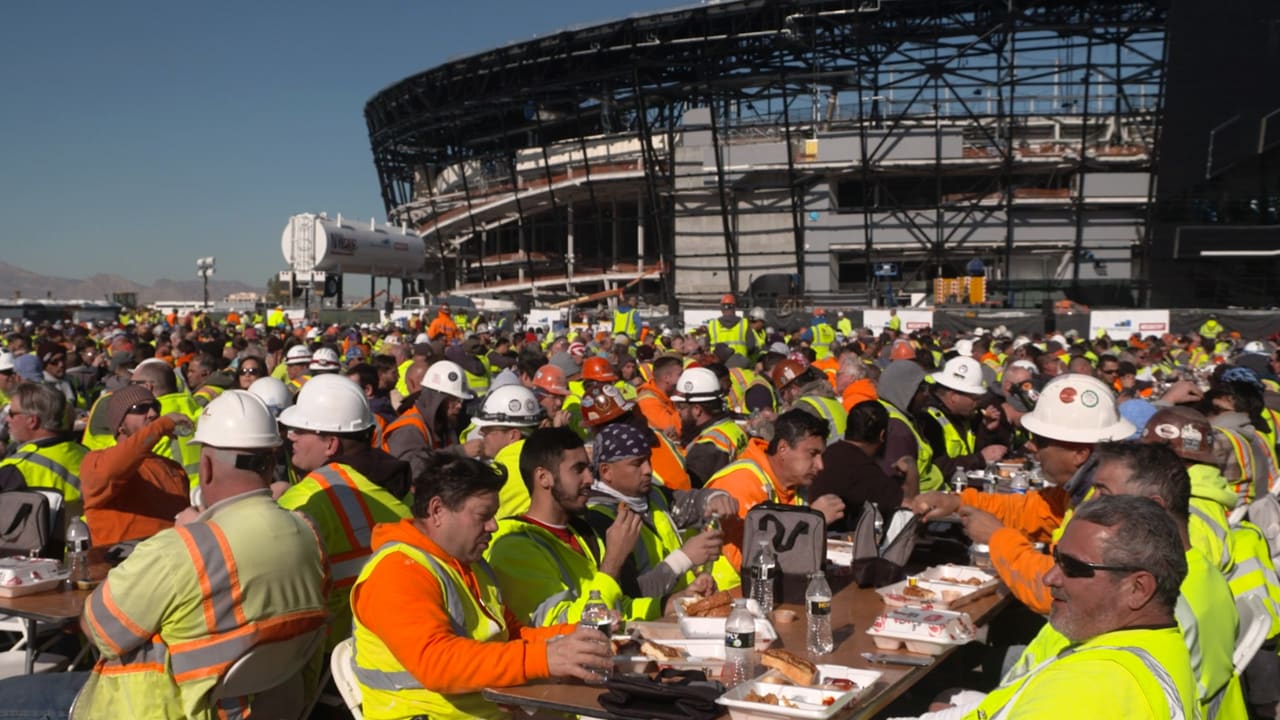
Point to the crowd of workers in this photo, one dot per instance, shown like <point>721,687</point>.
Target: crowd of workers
<point>448,496</point>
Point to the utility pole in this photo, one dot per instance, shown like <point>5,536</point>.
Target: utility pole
<point>205,268</point>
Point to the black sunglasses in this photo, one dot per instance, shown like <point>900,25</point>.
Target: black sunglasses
<point>251,371</point>
<point>1074,567</point>
<point>143,408</point>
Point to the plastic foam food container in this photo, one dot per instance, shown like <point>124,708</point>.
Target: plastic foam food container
<point>930,632</point>
<point>704,654</point>
<point>24,576</point>
<point>961,576</point>
<point>713,628</point>
<point>929,595</point>
<point>840,552</point>
<point>683,603</point>
<point>793,701</point>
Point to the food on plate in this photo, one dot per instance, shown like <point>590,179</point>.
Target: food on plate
<point>715,605</point>
<point>838,685</point>
<point>975,581</point>
<point>916,592</point>
<point>660,652</point>
<point>622,645</point>
<point>797,669</point>
<point>768,699</point>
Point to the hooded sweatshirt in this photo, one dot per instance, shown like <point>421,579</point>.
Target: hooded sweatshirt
<point>897,387</point>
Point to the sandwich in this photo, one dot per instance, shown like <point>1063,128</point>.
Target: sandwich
<point>796,669</point>
<point>660,652</point>
<point>716,605</point>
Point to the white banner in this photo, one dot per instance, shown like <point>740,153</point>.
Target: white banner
<point>912,320</point>
<point>1120,324</point>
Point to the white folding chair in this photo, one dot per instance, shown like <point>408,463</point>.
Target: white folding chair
<point>1255,623</point>
<point>272,673</point>
<point>342,665</point>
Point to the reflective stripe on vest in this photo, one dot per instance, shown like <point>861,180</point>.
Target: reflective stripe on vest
<point>735,338</point>
<point>31,454</point>
<point>1167,685</point>
<point>411,418</point>
<point>769,490</point>
<point>957,445</point>
<point>827,412</point>
<point>731,442</point>
<point>353,513</point>
<point>624,323</point>
<point>665,539</point>
<point>540,613</point>
<point>231,635</point>
<point>930,475</point>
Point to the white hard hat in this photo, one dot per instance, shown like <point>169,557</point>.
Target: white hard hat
<point>757,313</point>
<point>481,328</point>
<point>964,347</point>
<point>239,420</point>
<point>1077,408</point>
<point>6,361</point>
<point>1025,365</point>
<point>697,385</point>
<point>421,338</point>
<point>313,333</point>
<point>446,376</point>
<point>1255,346</point>
<point>509,406</point>
<point>329,403</point>
<point>1020,341</point>
<point>962,374</point>
<point>324,360</point>
<point>979,331</point>
<point>1060,339</point>
<point>273,392</point>
<point>298,355</point>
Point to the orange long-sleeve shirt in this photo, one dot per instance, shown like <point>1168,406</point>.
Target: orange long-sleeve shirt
<point>443,325</point>
<point>401,603</point>
<point>858,391</point>
<point>745,487</point>
<point>657,408</point>
<point>129,491</point>
<point>1028,519</point>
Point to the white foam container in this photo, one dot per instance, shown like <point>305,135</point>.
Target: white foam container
<point>810,700</point>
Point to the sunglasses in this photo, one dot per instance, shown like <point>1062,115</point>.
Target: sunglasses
<point>251,371</point>
<point>1074,567</point>
<point>143,408</point>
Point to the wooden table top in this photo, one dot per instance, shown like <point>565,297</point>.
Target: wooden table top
<point>853,610</point>
<point>59,604</point>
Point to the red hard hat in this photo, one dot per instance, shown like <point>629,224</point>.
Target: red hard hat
<point>785,372</point>
<point>902,351</point>
<point>1185,430</point>
<point>598,368</point>
<point>550,379</point>
<point>602,406</point>
<point>728,300</point>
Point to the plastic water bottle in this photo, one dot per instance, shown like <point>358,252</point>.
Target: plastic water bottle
<point>959,480</point>
<point>596,615</point>
<point>764,573</point>
<point>817,602</point>
<point>739,645</point>
<point>78,543</point>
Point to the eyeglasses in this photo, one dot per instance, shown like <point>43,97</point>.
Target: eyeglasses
<point>1074,567</point>
<point>251,370</point>
<point>143,408</point>
<point>140,382</point>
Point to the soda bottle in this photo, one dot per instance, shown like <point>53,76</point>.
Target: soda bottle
<point>597,616</point>
<point>764,572</point>
<point>77,552</point>
<point>739,644</point>
<point>817,601</point>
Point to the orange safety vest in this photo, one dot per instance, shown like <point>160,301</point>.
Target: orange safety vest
<point>411,418</point>
<point>668,464</point>
<point>379,429</point>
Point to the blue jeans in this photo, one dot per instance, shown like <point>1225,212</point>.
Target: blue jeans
<point>43,696</point>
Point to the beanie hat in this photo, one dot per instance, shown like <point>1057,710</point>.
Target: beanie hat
<point>123,399</point>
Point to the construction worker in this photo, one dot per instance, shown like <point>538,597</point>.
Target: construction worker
<point>947,419</point>
<point>1074,414</point>
<point>506,417</point>
<point>900,388</point>
<point>713,437</point>
<point>129,490</point>
<point>806,389</point>
<point>159,378</point>
<point>894,325</point>
<point>431,423</point>
<point>206,381</point>
<point>297,362</point>
<point>166,635</point>
<point>853,381</point>
<point>328,431</point>
<point>46,456</point>
<point>844,325</point>
<point>461,636</point>
<point>443,326</point>
<point>276,318</point>
<point>731,330</point>
<point>777,470</point>
<point>1211,328</point>
<point>758,333</point>
<point>821,334</point>
<point>1116,583</point>
<point>549,560</point>
<point>663,560</point>
<point>654,397</point>
<point>626,319</point>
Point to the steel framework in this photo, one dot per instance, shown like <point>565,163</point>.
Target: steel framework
<point>535,157</point>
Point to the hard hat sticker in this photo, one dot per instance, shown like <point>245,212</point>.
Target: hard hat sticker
<point>1166,431</point>
<point>1089,398</point>
<point>1067,396</point>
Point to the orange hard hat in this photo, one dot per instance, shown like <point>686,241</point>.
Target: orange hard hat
<point>728,300</point>
<point>598,368</point>
<point>550,379</point>
<point>902,350</point>
<point>785,372</point>
<point>602,406</point>
<point>819,312</point>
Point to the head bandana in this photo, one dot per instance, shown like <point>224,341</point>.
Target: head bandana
<point>618,442</point>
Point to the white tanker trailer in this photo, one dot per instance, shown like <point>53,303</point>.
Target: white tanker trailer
<point>317,243</point>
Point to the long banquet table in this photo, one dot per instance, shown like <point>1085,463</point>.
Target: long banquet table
<point>854,609</point>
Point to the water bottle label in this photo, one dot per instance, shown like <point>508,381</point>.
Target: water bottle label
<point>740,639</point>
<point>604,625</point>
<point>819,607</point>
<point>765,573</point>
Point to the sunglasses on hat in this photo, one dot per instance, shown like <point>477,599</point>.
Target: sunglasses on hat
<point>1074,567</point>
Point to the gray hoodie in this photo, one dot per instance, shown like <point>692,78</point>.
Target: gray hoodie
<point>899,382</point>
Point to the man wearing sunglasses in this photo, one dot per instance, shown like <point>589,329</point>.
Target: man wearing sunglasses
<point>1115,585</point>
<point>130,491</point>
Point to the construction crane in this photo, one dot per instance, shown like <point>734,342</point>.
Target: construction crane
<point>368,300</point>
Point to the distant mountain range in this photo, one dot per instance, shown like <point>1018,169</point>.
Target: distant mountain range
<point>17,282</point>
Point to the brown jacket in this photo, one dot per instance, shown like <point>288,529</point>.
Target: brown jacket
<point>130,492</point>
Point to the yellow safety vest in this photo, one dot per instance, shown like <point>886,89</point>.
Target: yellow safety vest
<point>56,467</point>
<point>624,323</point>
<point>656,541</point>
<point>388,690</point>
<point>725,435</point>
<point>831,410</point>
<point>823,336</point>
<point>734,337</point>
<point>957,445</point>
<point>739,381</point>
<point>930,475</point>
<point>182,451</point>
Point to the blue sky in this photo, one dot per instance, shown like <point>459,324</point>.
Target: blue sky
<point>137,136</point>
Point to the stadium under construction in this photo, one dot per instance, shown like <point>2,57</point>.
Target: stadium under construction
<point>844,152</point>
